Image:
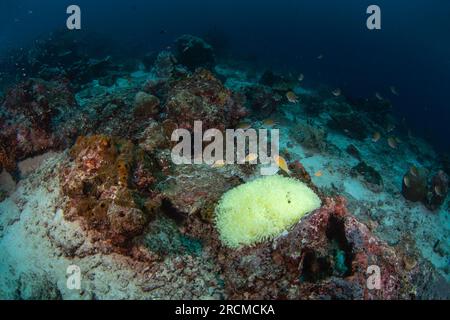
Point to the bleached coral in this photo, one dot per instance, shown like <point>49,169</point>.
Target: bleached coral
<point>262,209</point>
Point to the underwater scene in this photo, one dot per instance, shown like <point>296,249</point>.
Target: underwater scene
<point>224,150</point>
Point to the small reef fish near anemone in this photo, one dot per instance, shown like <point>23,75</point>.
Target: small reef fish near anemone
<point>414,171</point>
<point>406,181</point>
<point>244,125</point>
<point>392,142</point>
<point>292,97</point>
<point>376,137</point>
<point>336,92</point>
<point>394,91</point>
<point>390,127</point>
<point>319,173</point>
<point>218,164</point>
<point>301,77</point>
<point>282,164</point>
<point>251,157</point>
<point>269,122</point>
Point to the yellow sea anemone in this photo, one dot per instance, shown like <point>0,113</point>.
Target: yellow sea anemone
<point>262,209</point>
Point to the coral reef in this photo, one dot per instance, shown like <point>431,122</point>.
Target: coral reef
<point>3,195</point>
<point>29,120</point>
<point>277,82</point>
<point>7,159</point>
<point>445,160</point>
<point>201,96</point>
<point>164,65</point>
<point>187,193</point>
<point>144,228</point>
<point>311,137</point>
<point>146,105</point>
<point>194,52</point>
<point>104,185</point>
<point>80,57</point>
<point>353,151</point>
<point>261,100</point>
<point>325,256</point>
<point>350,124</point>
<point>375,109</point>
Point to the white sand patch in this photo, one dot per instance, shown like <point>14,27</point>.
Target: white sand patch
<point>29,165</point>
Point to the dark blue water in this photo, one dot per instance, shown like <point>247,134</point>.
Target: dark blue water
<point>411,52</point>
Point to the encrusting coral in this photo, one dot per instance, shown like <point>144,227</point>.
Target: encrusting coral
<point>105,184</point>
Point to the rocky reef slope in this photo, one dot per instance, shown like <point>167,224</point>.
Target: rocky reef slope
<point>87,180</point>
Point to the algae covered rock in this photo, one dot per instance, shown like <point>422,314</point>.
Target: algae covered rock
<point>29,118</point>
<point>368,175</point>
<point>194,52</point>
<point>146,105</point>
<point>103,186</point>
<point>164,65</point>
<point>438,190</point>
<point>202,96</point>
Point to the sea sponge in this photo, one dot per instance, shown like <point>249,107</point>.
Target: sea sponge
<point>262,209</point>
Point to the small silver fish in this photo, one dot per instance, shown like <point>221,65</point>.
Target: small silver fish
<point>406,181</point>
<point>438,191</point>
<point>414,171</point>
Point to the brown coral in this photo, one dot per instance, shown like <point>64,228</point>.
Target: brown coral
<point>7,160</point>
<point>101,185</point>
